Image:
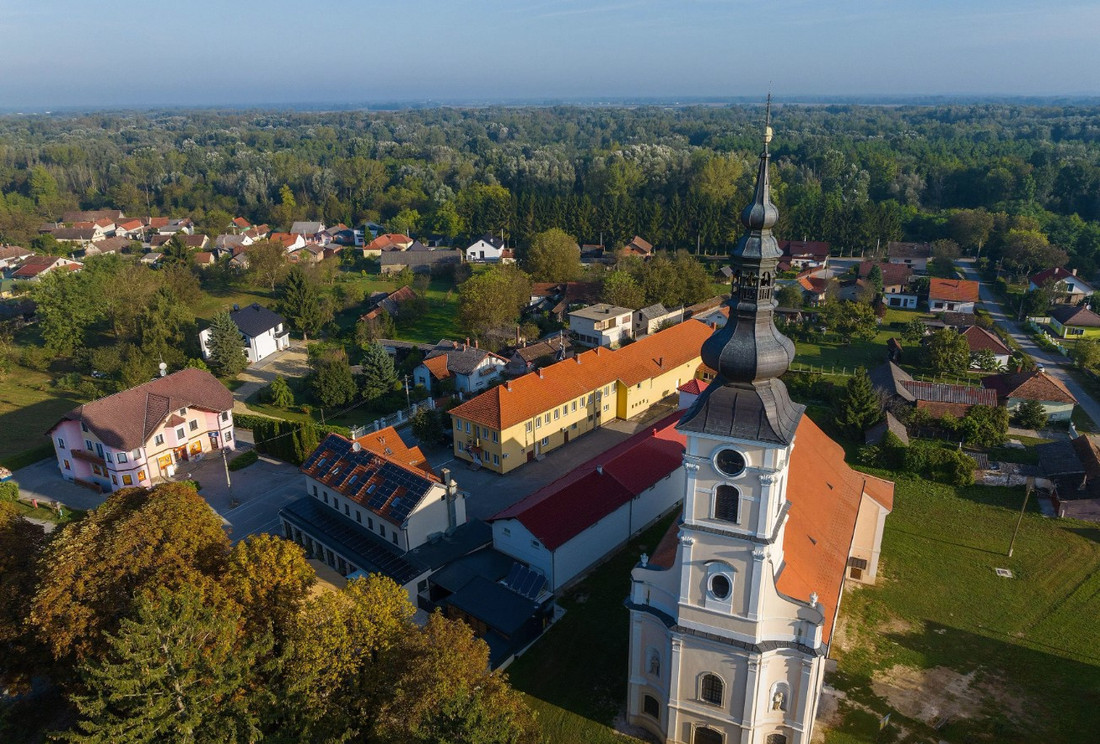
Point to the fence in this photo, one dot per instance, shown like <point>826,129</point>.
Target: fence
<point>394,419</point>
<point>844,372</point>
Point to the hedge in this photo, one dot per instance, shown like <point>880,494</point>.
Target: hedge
<point>244,459</point>
<point>250,421</point>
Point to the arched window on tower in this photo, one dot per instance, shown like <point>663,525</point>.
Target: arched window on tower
<point>776,739</point>
<point>727,504</point>
<point>710,689</point>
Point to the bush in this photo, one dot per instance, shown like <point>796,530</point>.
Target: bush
<point>942,464</point>
<point>243,460</point>
<point>1031,415</point>
<point>9,491</point>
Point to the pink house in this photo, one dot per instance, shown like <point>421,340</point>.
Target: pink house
<point>139,436</point>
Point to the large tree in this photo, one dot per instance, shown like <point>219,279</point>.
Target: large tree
<point>860,406</point>
<point>377,372</point>
<point>493,299</point>
<point>66,308</point>
<point>331,380</point>
<point>226,346</point>
<point>270,579</point>
<point>266,262</point>
<point>554,256</point>
<point>620,288</point>
<point>947,352</point>
<point>302,303</point>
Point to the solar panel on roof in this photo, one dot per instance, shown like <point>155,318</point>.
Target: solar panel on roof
<point>513,575</point>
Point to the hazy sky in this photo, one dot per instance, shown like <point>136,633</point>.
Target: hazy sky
<point>59,53</point>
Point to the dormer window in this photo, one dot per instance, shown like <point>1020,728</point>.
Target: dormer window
<point>183,412</point>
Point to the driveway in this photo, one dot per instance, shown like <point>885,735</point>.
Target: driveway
<point>290,362</point>
<point>43,481</point>
<point>1054,364</point>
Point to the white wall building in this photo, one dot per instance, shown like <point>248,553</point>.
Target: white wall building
<point>602,325</point>
<point>263,332</point>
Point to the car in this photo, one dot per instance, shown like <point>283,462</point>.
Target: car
<point>99,375</point>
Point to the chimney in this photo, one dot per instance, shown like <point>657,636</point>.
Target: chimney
<point>540,373</point>
<point>1073,271</point>
<point>508,385</point>
<point>476,342</point>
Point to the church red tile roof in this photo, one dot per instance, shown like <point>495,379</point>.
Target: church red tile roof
<point>560,511</point>
<point>694,386</point>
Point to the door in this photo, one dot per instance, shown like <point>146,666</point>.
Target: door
<point>566,433</point>
<point>530,455</point>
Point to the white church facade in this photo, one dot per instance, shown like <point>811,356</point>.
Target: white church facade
<point>732,616</point>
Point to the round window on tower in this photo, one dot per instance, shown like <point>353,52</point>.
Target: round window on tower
<point>729,462</point>
<point>720,586</point>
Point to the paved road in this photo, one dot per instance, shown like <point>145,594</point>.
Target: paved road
<point>1053,363</point>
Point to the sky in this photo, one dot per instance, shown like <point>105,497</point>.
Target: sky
<point>150,53</point>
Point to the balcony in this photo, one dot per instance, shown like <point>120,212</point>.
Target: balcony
<point>86,456</point>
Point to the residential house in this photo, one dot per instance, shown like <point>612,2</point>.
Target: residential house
<point>952,295</point>
<point>592,253</point>
<point>141,435</point>
<point>264,332</point>
<point>602,325</point>
<point>197,242</point>
<point>107,246</point>
<point>172,226</point>
<point>12,255</point>
<point>638,247</point>
<point>239,225</point>
<point>79,235</point>
<point>1068,321</point>
<point>205,258</point>
<point>690,392</point>
<point>385,243</point>
<point>1014,389</point>
<point>525,418</point>
<point>36,267</point>
<point>896,291</point>
<point>225,244</point>
<point>389,443</point>
<point>388,304</point>
<point>113,215</point>
<point>555,298</point>
<point>709,310</point>
<point>310,253</point>
<point>814,288</point>
<point>1068,288</point>
<point>804,254</point>
<point>424,262</point>
<point>649,319</point>
<point>902,391</point>
<point>890,424</point>
<point>914,255</point>
<point>290,241</point>
<point>134,229</point>
<point>487,249</point>
<point>568,526</point>
<point>473,369</point>
<point>539,354</point>
<point>311,232</point>
<point>979,339</point>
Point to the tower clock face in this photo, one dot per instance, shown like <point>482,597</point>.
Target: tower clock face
<point>729,462</point>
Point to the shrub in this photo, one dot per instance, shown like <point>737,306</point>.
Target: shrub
<point>9,491</point>
<point>1031,415</point>
<point>243,460</point>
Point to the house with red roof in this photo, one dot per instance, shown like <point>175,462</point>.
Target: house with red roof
<point>1014,389</point>
<point>804,254</point>
<point>1069,288</point>
<point>568,526</point>
<point>980,340</point>
<point>36,267</point>
<point>952,295</point>
<point>386,242</point>
<point>638,247</point>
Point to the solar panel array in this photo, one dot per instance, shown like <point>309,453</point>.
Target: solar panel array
<point>524,581</point>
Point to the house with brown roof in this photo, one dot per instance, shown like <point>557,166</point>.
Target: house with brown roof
<point>1074,322</point>
<point>1068,288</point>
<point>1014,389</point>
<point>896,289</point>
<point>555,298</point>
<point>900,390</point>
<point>804,254</point>
<point>79,235</point>
<point>13,255</point>
<point>914,255</point>
<point>141,435</point>
<point>388,304</point>
<point>471,368</point>
<point>814,288</point>
<point>979,339</point>
<point>538,354</point>
<point>638,247</point>
<point>385,243</point>
<point>36,267</point>
<point>523,419</point>
<point>952,295</point>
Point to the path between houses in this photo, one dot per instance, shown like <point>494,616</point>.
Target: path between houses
<point>1053,363</point>
<point>291,362</point>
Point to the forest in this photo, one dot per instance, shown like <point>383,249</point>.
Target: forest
<point>855,176</point>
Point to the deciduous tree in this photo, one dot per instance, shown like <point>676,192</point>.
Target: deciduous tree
<point>266,262</point>
<point>493,298</point>
<point>331,379</point>
<point>554,256</point>
<point>947,352</point>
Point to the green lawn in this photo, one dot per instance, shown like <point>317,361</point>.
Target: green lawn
<point>575,677</point>
<point>28,407</point>
<point>939,605</point>
<point>27,510</point>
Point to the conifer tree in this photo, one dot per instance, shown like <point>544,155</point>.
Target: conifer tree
<point>302,303</point>
<point>279,393</point>
<point>378,373</point>
<point>227,356</point>
<point>859,406</point>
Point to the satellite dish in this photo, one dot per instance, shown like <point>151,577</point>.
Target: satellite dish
<point>163,368</point>
<point>355,446</point>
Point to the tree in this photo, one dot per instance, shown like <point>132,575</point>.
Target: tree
<point>100,565</point>
<point>913,331</point>
<point>66,308</point>
<point>279,393</point>
<point>970,228</point>
<point>270,579</point>
<point>166,329</point>
<point>619,288</point>
<point>266,262</point>
<point>331,380</point>
<point>302,304</point>
<point>427,426</point>
<point>21,543</point>
<point>985,360</point>
<point>554,256</point>
<point>874,277</point>
<point>859,407</point>
<point>175,253</point>
<point>947,352</point>
<point>493,299</point>
<point>985,426</point>
<point>850,320</point>
<point>1025,250</point>
<point>174,672</point>
<point>1086,354</point>
<point>789,296</point>
<point>378,374</point>
<point>1031,415</point>
<point>226,356</point>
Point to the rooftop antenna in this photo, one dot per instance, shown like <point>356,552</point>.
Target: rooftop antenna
<point>163,369</point>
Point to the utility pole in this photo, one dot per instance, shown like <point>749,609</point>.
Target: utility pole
<point>408,403</point>
<point>225,462</point>
<point>1012,544</point>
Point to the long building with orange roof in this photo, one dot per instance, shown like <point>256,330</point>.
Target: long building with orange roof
<point>519,421</point>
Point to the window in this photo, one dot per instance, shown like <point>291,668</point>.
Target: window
<point>193,424</point>
<point>183,412</point>
<point>467,427</point>
<point>775,739</point>
<point>496,459</point>
<point>729,462</point>
<point>706,736</point>
<point>88,445</point>
<point>225,415</point>
<point>324,495</point>
<point>556,414</point>
<point>495,437</point>
<point>347,509</point>
<point>180,434</point>
<point>564,410</point>
<point>141,475</point>
<point>507,532</point>
<point>710,690</point>
<point>60,443</point>
<point>651,707</point>
<point>127,480</point>
<point>121,456</point>
<point>314,489</point>
<point>381,529</point>
<point>727,503</point>
<point>83,426</point>
<point>114,479</point>
<point>529,427</point>
<point>68,466</point>
<point>720,586</point>
<point>370,523</point>
<point>158,439</point>
<point>535,544</point>
<point>107,456</point>
<point>538,422</point>
<point>228,435</point>
<point>395,537</point>
<point>545,441</point>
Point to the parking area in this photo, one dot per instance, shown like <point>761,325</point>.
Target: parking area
<point>43,481</point>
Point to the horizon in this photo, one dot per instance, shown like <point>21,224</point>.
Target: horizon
<point>200,54</point>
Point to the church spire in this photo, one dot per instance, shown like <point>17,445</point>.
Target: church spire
<point>749,353</point>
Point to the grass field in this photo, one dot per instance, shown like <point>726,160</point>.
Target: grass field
<point>940,612</point>
<point>28,407</point>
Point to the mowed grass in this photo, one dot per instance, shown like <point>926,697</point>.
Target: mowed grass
<point>575,676</point>
<point>939,603</point>
<point>28,407</point>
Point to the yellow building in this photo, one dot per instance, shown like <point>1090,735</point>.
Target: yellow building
<point>516,422</point>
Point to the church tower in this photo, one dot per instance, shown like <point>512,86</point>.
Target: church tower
<point>726,630</point>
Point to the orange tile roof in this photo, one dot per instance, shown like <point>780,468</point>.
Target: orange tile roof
<point>388,442</point>
<point>953,290</point>
<point>437,365</point>
<point>524,398</point>
<point>825,495</point>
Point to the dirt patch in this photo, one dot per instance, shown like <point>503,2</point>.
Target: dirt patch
<point>939,695</point>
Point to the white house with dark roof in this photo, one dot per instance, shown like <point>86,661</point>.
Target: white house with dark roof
<point>473,369</point>
<point>486,249</point>
<point>602,325</point>
<point>264,332</point>
<point>139,436</point>
<point>1068,288</point>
